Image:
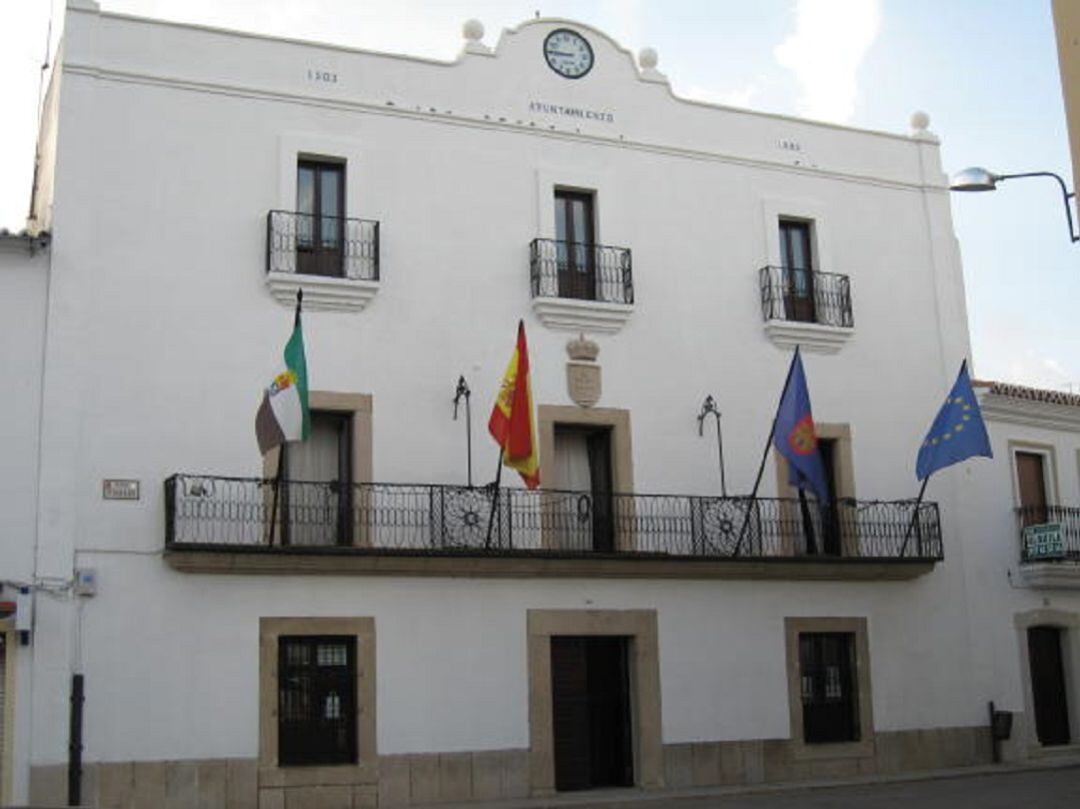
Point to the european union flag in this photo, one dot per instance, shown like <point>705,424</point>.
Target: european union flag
<point>958,432</point>
<point>794,436</point>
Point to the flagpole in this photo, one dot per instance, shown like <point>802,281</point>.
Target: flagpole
<point>277,488</point>
<point>494,499</point>
<point>915,518</point>
<point>765,455</point>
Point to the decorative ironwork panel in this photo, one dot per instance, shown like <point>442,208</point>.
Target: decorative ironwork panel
<point>595,272</point>
<point>352,254</point>
<point>207,511</point>
<point>470,518</point>
<point>815,297</point>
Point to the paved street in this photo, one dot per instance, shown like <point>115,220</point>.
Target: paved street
<point>1044,789</point>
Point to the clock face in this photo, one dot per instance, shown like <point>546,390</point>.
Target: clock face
<point>568,53</point>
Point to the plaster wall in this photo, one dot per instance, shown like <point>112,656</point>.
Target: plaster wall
<point>996,584</point>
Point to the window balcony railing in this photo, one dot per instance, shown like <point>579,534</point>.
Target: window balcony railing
<point>329,246</point>
<point>810,297</point>
<point>590,272</point>
<point>1049,533</point>
<point>205,513</point>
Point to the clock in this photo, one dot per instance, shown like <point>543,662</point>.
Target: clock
<point>568,53</point>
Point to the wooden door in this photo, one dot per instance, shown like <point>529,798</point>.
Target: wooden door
<point>830,511</point>
<point>575,249</point>
<point>1031,481</point>
<point>797,271</point>
<point>600,484</point>
<point>1048,685</point>
<point>317,493</point>
<point>570,505</point>
<point>591,712</point>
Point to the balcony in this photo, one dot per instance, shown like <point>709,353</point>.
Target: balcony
<point>1049,546</point>
<point>336,260</point>
<point>581,287</point>
<point>811,309</point>
<point>219,524</point>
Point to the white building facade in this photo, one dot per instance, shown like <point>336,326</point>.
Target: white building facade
<point>380,644</point>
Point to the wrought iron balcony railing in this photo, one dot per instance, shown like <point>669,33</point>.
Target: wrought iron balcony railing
<point>309,244</point>
<point>802,295</point>
<point>1049,533</point>
<point>220,513</point>
<point>591,272</point>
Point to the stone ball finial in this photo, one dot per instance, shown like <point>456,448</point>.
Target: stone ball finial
<point>648,58</point>
<point>919,121</point>
<point>473,30</point>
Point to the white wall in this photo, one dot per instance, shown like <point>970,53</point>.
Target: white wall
<point>23,285</point>
<point>996,585</point>
<point>162,336</point>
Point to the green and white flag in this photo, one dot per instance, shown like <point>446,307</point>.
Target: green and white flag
<point>283,415</point>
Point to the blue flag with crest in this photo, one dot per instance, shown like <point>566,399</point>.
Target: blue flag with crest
<point>795,437</point>
<point>958,432</point>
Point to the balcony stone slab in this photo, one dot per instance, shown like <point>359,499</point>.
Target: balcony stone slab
<point>322,293</point>
<point>365,561</point>
<point>569,314</point>
<point>1051,575</point>
<point>808,336</point>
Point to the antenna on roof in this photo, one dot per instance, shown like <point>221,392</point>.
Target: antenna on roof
<point>37,140</point>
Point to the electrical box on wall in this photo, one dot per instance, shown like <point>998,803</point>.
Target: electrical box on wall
<point>85,581</point>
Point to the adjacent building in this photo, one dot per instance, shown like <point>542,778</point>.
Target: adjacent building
<point>378,628</point>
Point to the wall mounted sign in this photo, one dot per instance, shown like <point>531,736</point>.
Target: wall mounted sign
<point>1044,541</point>
<point>572,112</point>
<point>568,53</point>
<point>118,489</point>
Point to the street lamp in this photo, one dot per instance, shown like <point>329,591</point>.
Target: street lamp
<point>979,179</point>
<point>707,407</point>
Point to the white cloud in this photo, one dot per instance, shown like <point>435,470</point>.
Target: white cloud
<point>830,40</point>
<point>1040,372</point>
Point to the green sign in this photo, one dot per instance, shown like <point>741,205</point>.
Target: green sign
<point>1044,541</point>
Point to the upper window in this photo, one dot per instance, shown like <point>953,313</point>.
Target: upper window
<point>575,238</point>
<point>316,699</point>
<point>320,226</point>
<point>1031,487</point>
<point>828,687</point>
<point>797,270</point>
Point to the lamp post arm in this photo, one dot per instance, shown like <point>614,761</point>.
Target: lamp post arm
<point>1066,195</point>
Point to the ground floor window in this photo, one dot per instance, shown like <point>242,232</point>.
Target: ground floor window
<point>316,699</point>
<point>828,687</point>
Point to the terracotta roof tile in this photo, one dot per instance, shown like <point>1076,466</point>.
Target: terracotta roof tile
<point>1056,397</point>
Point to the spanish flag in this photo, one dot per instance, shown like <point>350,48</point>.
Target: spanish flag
<point>511,423</point>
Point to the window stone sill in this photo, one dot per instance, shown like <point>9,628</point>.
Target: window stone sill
<point>569,314</point>
<point>1049,575</point>
<point>809,336</point>
<point>322,293</point>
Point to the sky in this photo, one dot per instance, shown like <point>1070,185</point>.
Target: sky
<point>985,71</point>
